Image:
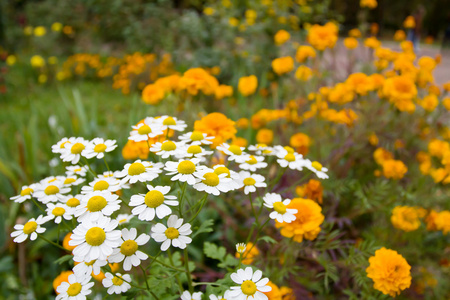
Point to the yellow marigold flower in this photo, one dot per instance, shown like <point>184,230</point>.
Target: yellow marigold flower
<point>438,148</point>
<point>372,42</point>
<point>341,93</point>
<point>134,150</point>
<point>223,91</point>
<point>434,89</point>
<point>381,155</point>
<point>429,102</point>
<point>394,169</point>
<point>56,26</point>
<point>373,139</point>
<point>389,271</point>
<point>350,43</point>
<point>303,73</point>
<point>374,28</point>
<point>427,63</point>
<point>275,293</point>
<point>264,136</point>
<point>377,80</point>
<point>371,4</point>
<point>323,37</point>
<point>62,277</point>
<point>247,85</point>
<point>251,251</point>
<point>37,61</point>
<point>406,218</point>
<point>197,79</point>
<point>242,123</point>
<point>446,103</point>
<point>438,175</point>
<point>239,141</point>
<point>446,86</point>
<point>399,144</point>
<point>287,293</point>
<point>307,223</point>
<point>66,240</point>
<point>209,11</point>
<point>233,22</point>
<point>152,94</point>
<point>169,83</point>
<point>385,53</point>
<point>400,35</point>
<point>431,220</point>
<point>443,221</point>
<point>68,30</point>
<point>312,190</point>
<point>401,91</point>
<point>409,22</point>
<point>11,60</point>
<point>216,125</point>
<point>283,65</point>
<point>301,142</point>
<point>281,37</point>
<point>40,31</point>
<point>361,83</point>
<point>304,52</point>
<point>355,33</point>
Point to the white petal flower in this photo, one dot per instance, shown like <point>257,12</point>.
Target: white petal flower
<point>234,152</point>
<point>50,192</point>
<point>196,138</point>
<point>102,183</point>
<point>73,149</point>
<point>77,288</point>
<point>280,213</point>
<point>251,286</point>
<point>317,168</point>
<point>76,170</point>
<point>195,296</point>
<point>25,194</point>
<point>169,148</point>
<point>97,148</point>
<point>251,181</point>
<point>30,228</point>
<point>96,204</point>
<point>175,234</point>
<point>87,268</point>
<point>59,211</point>
<point>128,251</point>
<point>173,123</point>
<point>183,170</point>
<point>154,203</point>
<point>60,146</point>
<point>148,129</point>
<point>116,284</point>
<point>253,163</point>
<point>142,171</point>
<point>213,183</point>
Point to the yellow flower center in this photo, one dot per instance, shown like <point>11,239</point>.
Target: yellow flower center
<point>317,165</point>
<point>77,148</point>
<point>96,203</point>
<point>194,149</point>
<point>90,263</point>
<point>154,198</point>
<point>30,227</point>
<point>69,180</point>
<point>279,207</point>
<point>122,221</point>
<point>235,149</point>
<point>172,233</point>
<point>74,289</point>
<point>222,170</point>
<point>169,121</point>
<point>95,236</point>
<point>248,287</point>
<point>117,281</point>
<point>63,144</point>
<point>186,167</point>
<point>52,180</point>
<point>77,170</point>
<point>128,247</point>
<point>168,146</point>
<point>211,179</point>
<point>289,149</point>
<point>252,160</point>
<point>136,169</point>
<point>249,181</point>
<point>100,148</point>
<point>101,185</point>
<point>290,157</point>
<point>144,129</point>
<point>196,136</point>
<point>73,202</point>
<point>51,190</point>
<point>26,192</point>
<point>58,211</point>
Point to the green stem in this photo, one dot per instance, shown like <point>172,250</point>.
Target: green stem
<point>180,204</point>
<point>145,277</point>
<point>153,260</point>
<point>53,243</point>
<point>166,265</point>
<point>256,238</point>
<point>106,164</point>
<point>89,167</point>
<point>176,275</point>
<point>37,204</point>
<point>203,201</point>
<point>253,209</point>
<point>188,273</point>
<point>207,283</point>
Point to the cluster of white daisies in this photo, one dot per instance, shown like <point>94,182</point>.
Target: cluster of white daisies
<point>97,239</point>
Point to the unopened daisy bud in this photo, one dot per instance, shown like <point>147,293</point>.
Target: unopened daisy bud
<point>240,247</point>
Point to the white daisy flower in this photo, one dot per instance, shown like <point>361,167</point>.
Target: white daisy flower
<point>153,203</point>
<point>261,149</point>
<point>50,192</point>
<point>72,180</point>
<point>116,284</point>
<point>253,163</point>
<point>128,251</point>
<point>240,247</point>
<point>59,211</point>
<point>225,296</point>
<point>174,234</point>
<point>287,158</point>
<point>59,146</point>
<point>72,201</point>
<point>280,213</point>
<point>235,182</point>
<point>72,150</point>
<point>102,184</point>
<point>25,194</point>
<point>97,148</point>
<point>30,228</point>
<point>195,151</point>
<point>196,138</point>
<point>95,240</point>
<point>168,148</point>
<point>143,131</point>
<point>87,268</point>
<point>251,286</point>
<point>77,288</point>
<point>76,170</point>
<point>251,181</point>
<point>195,296</point>
<point>139,171</point>
<point>173,123</point>
<point>213,183</point>
<point>183,170</point>
<point>317,168</point>
<point>124,218</point>
<point>234,152</point>
<point>96,204</point>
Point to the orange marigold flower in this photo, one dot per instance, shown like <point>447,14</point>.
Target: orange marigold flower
<point>287,293</point>
<point>401,91</point>
<point>62,277</point>
<point>311,190</point>
<point>372,42</point>
<point>400,35</point>
<point>264,136</point>
<point>217,125</point>
<point>371,4</point>
<point>443,221</point>
<point>247,85</point>
<point>283,65</point>
<point>152,94</point>
<point>322,37</point>
<point>281,37</point>
<point>300,142</point>
<point>304,52</point>
<point>223,91</point>
<point>394,169</point>
<point>350,43</point>
<point>198,79</point>
<point>275,293</point>
<point>307,223</point>
<point>409,22</point>
<point>406,218</point>
<point>65,243</point>
<point>389,271</point>
<point>431,220</point>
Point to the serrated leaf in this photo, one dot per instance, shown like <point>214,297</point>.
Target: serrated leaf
<point>267,239</point>
<point>205,227</point>
<point>212,251</point>
<point>63,259</point>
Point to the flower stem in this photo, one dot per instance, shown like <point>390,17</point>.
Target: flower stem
<point>53,243</point>
<point>145,277</point>
<point>203,201</point>
<point>37,204</point>
<point>188,273</point>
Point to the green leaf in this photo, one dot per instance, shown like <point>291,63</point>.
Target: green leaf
<point>267,239</point>
<point>212,251</point>
<point>205,227</point>
<point>63,259</point>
